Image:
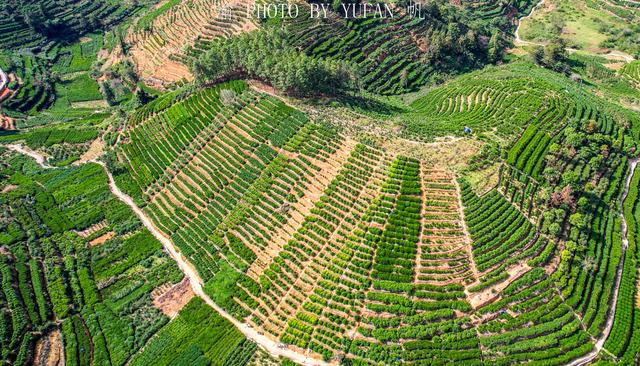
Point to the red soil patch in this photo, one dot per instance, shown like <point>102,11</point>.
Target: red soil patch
<point>6,123</point>
<point>171,299</point>
<point>102,239</point>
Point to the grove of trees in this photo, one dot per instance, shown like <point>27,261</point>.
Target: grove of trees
<point>269,57</point>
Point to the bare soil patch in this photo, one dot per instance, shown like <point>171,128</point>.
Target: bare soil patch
<point>8,188</point>
<point>6,123</point>
<point>96,104</point>
<point>92,229</point>
<point>95,150</point>
<point>446,153</point>
<point>171,301</point>
<point>615,65</point>
<point>102,239</point>
<point>492,293</point>
<point>49,350</point>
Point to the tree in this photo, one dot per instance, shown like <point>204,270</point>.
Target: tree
<point>537,55</point>
<point>267,56</point>
<point>555,55</point>
<point>552,56</point>
<point>578,220</point>
<point>557,23</point>
<point>589,264</point>
<point>494,53</point>
<point>108,93</point>
<point>143,97</point>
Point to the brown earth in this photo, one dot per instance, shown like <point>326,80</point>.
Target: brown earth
<point>177,29</point>
<point>171,301</point>
<point>102,239</point>
<point>6,123</point>
<point>49,350</point>
<point>95,150</point>
<point>8,188</point>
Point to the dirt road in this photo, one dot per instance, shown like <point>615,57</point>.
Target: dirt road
<point>612,314</point>
<point>264,342</point>
<point>269,345</point>
<point>39,158</point>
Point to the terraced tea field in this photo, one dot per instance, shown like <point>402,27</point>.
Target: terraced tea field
<point>164,42</point>
<point>632,71</point>
<point>84,283</point>
<point>497,103</point>
<point>394,54</point>
<point>347,250</point>
<point>357,191</point>
<point>24,25</point>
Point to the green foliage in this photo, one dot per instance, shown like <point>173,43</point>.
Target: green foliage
<point>100,294</point>
<point>268,56</point>
<point>197,335</point>
<point>36,22</point>
<point>552,56</point>
<point>399,54</point>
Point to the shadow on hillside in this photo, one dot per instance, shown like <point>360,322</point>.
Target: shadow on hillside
<point>359,103</point>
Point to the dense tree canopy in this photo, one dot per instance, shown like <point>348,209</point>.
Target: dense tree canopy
<point>269,57</point>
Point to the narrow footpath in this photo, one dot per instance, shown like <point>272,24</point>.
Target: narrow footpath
<point>267,344</point>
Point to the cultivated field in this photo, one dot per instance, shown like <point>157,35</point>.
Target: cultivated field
<point>164,41</point>
<point>349,251</point>
<point>181,185</point>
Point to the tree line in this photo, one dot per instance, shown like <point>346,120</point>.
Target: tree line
<point>268,56</point>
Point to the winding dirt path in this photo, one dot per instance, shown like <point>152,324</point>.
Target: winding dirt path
<point>24,150</point>
<point>519,41</point>
<point>4,80</point>
<point>625,243</point>
<point>272,346</point>
<point>263,342</point>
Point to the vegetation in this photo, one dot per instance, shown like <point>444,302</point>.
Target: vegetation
<point>366,190</point>
<point>268,56</point>
<point>197,336</point>
<point>35,23</point>
<point>60,276</point>
<point>593,26</point>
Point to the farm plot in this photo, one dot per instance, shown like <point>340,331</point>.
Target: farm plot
<point>502,238</point>
<point>54,80</point>
<point>343,250</point>
<point>25,25</point>
<point>443,250</point>
<point>492,10</point>
<point>532,323</point>
<point>632,71</point>
<point>392,54</point>
<point>624,338</point>
<point>98,297</point>
<point>197,336</point>
<point>499,103</point>
<point>35,91</point>
<point>295,229</point>
<point>164,41</point>
<point>68,299</point>
<point>554,174</point>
